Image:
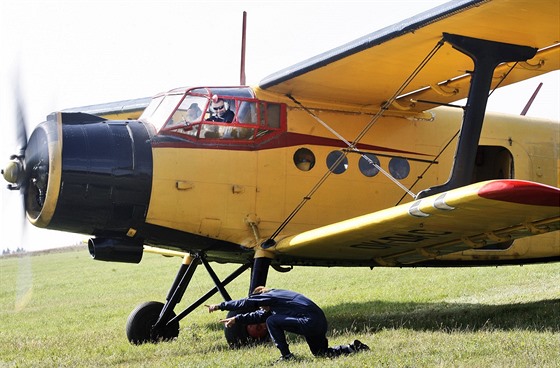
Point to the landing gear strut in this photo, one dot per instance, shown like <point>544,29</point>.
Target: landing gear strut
<point>155,321</point>
<point>239,334</point>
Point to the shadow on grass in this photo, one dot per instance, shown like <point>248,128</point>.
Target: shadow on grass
<point>542,315</point>
<point>367,318</point>
<point>371,317</point>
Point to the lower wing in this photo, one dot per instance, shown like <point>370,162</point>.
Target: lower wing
<point>470,217</point>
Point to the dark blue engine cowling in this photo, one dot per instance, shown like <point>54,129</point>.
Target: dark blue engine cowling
<point>106,176</point>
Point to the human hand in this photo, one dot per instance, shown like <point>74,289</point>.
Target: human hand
<point>212,307</point>
<point>228,322</point>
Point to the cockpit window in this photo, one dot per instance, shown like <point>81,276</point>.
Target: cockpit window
<point>154,104</point>
<point>160,109</point>
<point>189,111</point>
<point>201,114</point>
<point>252,119</point>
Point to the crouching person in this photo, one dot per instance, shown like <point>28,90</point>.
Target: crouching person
<point>285,310</point>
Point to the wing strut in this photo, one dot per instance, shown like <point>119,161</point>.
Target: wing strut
<point>486,55</point>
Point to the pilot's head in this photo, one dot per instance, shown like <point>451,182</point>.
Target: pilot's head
<point>219,106</point>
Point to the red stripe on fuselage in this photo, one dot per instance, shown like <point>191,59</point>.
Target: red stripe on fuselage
<point>273,141</point>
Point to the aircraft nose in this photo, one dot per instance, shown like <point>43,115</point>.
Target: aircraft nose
<point>13,171</point>
<point>28,171</point>
<point>85,174</point>
<point>36,171</point>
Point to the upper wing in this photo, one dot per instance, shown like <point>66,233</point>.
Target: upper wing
<point>118,110</point>
<point>369,70</point>
<point>474,216</point>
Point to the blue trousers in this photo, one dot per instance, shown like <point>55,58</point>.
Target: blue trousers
<point>313,329</point>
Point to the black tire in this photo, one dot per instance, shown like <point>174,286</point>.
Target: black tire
<point>237,335</point>
<point>140,322</point>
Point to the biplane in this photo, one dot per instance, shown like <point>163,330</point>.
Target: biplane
<point>358,157</point>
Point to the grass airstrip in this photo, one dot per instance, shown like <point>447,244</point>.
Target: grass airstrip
<point>62,309</point>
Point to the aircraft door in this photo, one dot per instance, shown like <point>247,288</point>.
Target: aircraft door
<point>493,162</point>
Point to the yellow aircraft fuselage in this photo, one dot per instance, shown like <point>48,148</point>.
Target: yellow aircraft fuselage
<point>242,194</point>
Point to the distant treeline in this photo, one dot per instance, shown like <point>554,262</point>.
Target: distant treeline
<point>8,251</point>
<point>20,251</point>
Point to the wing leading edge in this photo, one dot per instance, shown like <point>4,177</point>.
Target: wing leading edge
<point>369,70</point>
<point>470,217</point>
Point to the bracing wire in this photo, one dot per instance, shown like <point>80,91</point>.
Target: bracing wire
<point>352,145</point>
<point>503,79</point>
<point>430,165</point>
<point>399,91</point>
<point>456,134</point>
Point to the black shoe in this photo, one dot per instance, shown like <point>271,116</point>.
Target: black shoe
<point>285,358</point>
<point>359,346</point>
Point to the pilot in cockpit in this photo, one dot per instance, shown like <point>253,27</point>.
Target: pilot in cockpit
<point>222,113</point>
<point>193,113</point>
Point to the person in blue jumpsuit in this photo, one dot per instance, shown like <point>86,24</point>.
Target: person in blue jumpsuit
<point>285,310</point>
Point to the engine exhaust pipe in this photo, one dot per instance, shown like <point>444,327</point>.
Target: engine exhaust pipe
<point>116,250</point>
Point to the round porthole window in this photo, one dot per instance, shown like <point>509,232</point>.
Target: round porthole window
<point>337,162</point>
<point>399,168</point>
<point>304,159</point>
<point>366,165</point>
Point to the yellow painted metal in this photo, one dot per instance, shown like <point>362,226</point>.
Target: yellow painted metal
<point>164,252</point>
<point>425,229</point>
<point>369,77</point>
<point>212,192</point>
<point>132,114</point>
<point>204,191</point>
<point>242,196</point>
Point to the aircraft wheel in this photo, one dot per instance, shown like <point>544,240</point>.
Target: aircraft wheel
<point>240,335</point>
<point>140,321</point>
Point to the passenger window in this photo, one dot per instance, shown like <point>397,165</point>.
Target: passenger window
<point>399,168</point>
<point>367,164</point>
<point>337,162</point>
<point>304,159</point>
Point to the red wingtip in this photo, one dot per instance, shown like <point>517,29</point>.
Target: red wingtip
<point>523,192</point>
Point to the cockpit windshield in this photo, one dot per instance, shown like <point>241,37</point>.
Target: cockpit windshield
<point>160,108</point>
<point>189,111</point>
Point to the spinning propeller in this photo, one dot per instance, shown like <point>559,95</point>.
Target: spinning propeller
<point>28,169</point>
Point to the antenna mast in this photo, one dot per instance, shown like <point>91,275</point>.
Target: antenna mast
<point>530,102</point>
<point>242,77</point>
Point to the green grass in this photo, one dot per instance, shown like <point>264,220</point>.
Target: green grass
<point>76,309</point>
